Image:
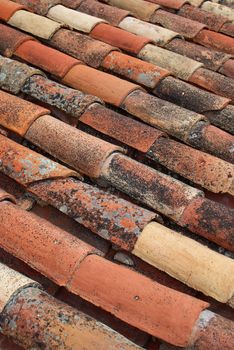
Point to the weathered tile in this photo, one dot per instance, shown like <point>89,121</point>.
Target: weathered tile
<point>160,36</point>
<point>90,51</point>
<point>34,24</point>
<point>73,19</point>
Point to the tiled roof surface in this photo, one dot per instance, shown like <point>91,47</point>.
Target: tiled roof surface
<point>116,174</point>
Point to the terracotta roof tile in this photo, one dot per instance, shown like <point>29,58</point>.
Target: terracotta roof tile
<point>82,47</point>
<point>135,303</point>
<point>39,6</point>
<point>181,66</point>
<point>113,15</point>
<point>189,96</point>
<point>37,242</point>
<point>108,87</point>
<point>107,222</point>
<point>214,40</point>
<point>186,27</point>
<point>126,130</point>
<point>160,36</point>
<point>218,9</point>
<point>46,58</point>
<point>110,217</point>
<point>11,281</point>
<point>71,3</point>
<point>71,101</point>
<point>8,8</point>
<point>170,243</point>
<point>14,74</point>
<point>28,166</point>
<point>143,73</point>
<point>32,310</point>
<point>162,114</point>
<point>139,8</point>
<point>228,28</point>
<point>212,21</point>
<point>12,40</point>
<point>195,218</point>
<point>84,152</point>
<point>215,141</point>
<point>115,36</point>
<point>223,118</point>
<point>19,114</point>
<point>210,58</point>
<point>73,19</point>
<point>212,173</point>
<point>157,190</point>
<point>34,24</point>
<point>214,82</point>
<point>173,4</point>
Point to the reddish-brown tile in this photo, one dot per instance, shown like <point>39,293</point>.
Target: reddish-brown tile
<point>186,27</point>
<point>134,69</point>
<point>212,21</point>
<point>228,28</point>
<point>201,168</point>
<point>213,332</point>
<point>223,118</point>
<point>135,335</point>
<point>120,38</point>
<point>189,96</point>
<point>8,8</point>
<point>211,220</point>
<point>50,60</point>
<point>215,82</point>
<point>20,266</point>
<point>37,242</point>
<point>174,314</point>
<point>113,15</point>
<point>17,114</point>
<point>214,141</point>
<point>72,102</point>
<point>155,189</point>
<point>11,39</point>
<point>228,68</point>
<point>112,218</point>
<point>210,58</point>
<point>82,47</point>
<point>39,6</point>
<point>83,151</point>
<point>74,4</point>
<point>173,4</point>
<point>42,321</point>
<point>129,131</point>
<point>216,41</point>
<point>107,87</point>
<point>161,114</point>
<point>26,166</point>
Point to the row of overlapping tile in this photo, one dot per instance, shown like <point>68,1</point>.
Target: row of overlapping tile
<point>111,217</point>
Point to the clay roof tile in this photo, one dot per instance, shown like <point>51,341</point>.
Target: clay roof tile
<point>8,8</point>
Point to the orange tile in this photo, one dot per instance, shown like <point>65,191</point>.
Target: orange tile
<point>120,38</point>
<point>52,61</point>
<point>8,8</point>
<point>37,242</point>
<point>134,69</point>
<point>145,304</point>
<point>11,39</point>
<point>17,114</point>
<point>214,40</point>
<point>106,86</point>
